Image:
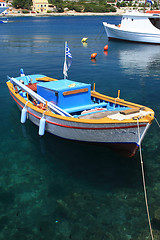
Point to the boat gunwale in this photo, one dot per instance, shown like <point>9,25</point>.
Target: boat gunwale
<point>146,119</point>
<point>141,14</point>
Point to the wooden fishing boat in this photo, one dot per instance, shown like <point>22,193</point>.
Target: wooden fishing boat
<point>74,111</point>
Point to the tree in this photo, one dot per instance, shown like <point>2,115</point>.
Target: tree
<point>24,4</point>
<point>123,4</point>
<point>130,4</point>
<point>118,4</point>
<point>102,2</point>
<point>58,3</point>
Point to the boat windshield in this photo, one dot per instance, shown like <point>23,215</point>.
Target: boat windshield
<point>155,22</point>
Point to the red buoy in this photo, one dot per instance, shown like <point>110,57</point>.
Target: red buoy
<point>93,55</point>
<point>106,48</point>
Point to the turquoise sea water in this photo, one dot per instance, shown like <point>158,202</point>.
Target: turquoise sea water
<point>52,189</point>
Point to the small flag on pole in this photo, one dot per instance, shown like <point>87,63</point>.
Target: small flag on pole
<point>150,1</point>
<point>68,60</point>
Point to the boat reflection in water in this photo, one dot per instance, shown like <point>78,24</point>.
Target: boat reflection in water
<point>135,58</point>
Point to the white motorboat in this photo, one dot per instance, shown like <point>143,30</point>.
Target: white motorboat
<point>137,27</point>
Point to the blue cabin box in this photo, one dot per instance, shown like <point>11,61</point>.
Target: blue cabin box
<point>65,93</point>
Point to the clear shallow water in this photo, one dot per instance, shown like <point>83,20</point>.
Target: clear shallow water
<point>55,189</point>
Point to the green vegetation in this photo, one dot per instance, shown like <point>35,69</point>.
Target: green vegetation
<point>25,11</point>
<point>58,3</point>
<point>99,6</point>
<point>24,4</point>
<point>84,6</point>
<point>79,6</point>
<point>122,4</point>
<point>155,6</point>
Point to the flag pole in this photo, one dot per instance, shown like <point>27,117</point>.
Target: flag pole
<point>144,10</point>
<point>65,58</point>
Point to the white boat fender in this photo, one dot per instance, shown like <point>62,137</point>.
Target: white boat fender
<point>42,124</point>
<point>24,115</point>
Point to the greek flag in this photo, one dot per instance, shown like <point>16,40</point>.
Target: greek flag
<point>68,60</point>
<point>150,1</point>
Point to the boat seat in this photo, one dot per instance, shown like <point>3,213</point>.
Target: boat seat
<point>86,107</point>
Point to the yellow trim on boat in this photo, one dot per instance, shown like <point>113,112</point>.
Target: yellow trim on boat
<point>146,119</point>
<point>46,79</point>
<point>111,99</point>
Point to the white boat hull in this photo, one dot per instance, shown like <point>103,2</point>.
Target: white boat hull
<point>2,9</point>
<point>123,137</point>
<point>114,32</point>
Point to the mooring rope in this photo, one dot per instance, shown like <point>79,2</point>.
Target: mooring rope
<point>100,33</point>
<point>144,184</point>
<point>157,121</point>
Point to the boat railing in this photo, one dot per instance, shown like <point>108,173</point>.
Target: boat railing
<point>36,96</point>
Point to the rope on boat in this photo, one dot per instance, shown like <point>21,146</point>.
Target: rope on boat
<point>100,34</point>
<point>157,121</point>
<point>144,184</point>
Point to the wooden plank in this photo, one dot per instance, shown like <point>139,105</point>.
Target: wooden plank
<point>75,91</point>
<point>46,79</point>
<point>130,111</point>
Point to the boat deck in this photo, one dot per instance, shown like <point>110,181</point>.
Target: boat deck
<point>76,99</point>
